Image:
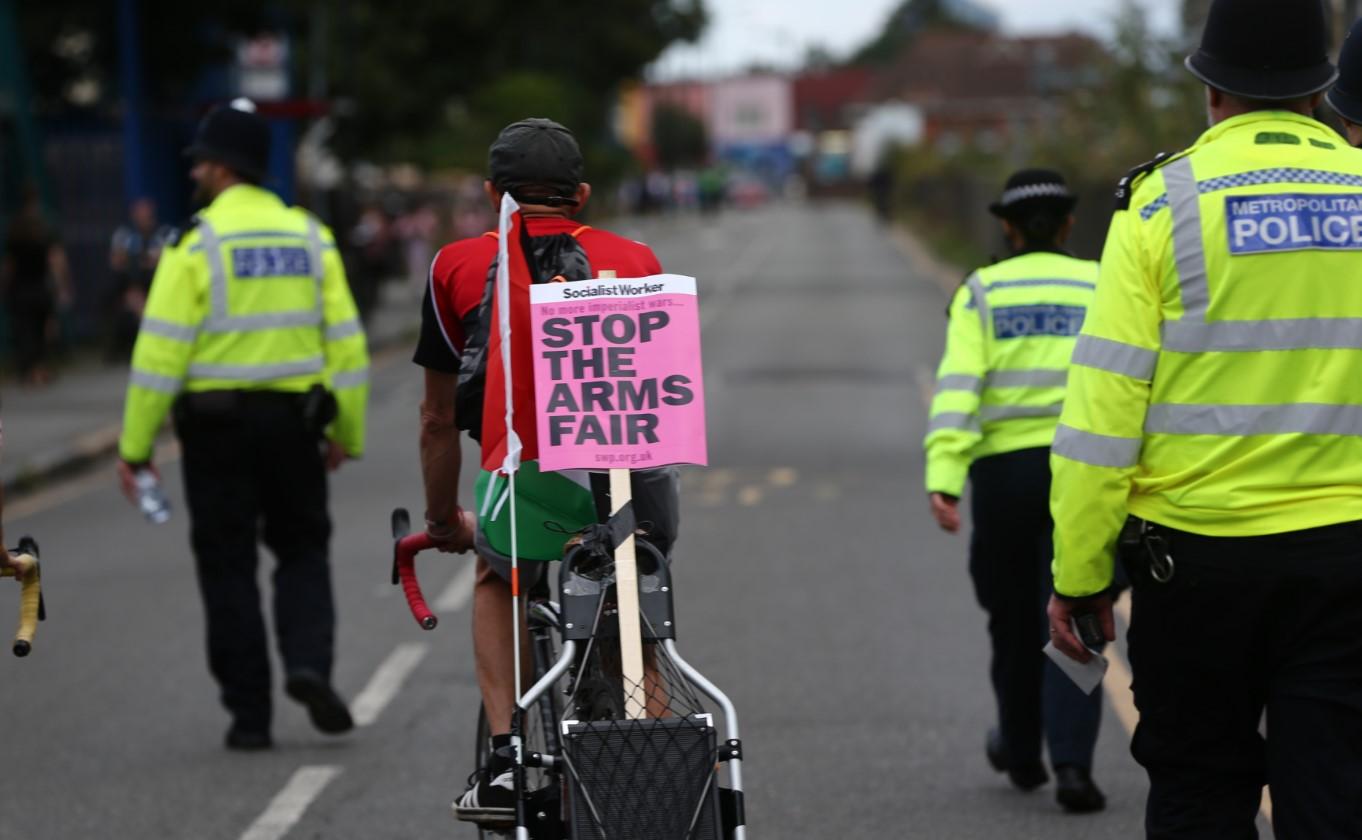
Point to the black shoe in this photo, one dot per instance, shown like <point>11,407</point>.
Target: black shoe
<point>994,750</point>
<point>489,800</point>
<point>1027,777</point>
<point>1075,791</point>
<point>248,740</point>
<point>324,705</point>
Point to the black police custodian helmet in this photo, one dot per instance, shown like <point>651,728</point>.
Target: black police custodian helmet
<point>235,136</point>
<point>1034,191</point>
<point>1265,49</point>
<point>535,153</point>
<point>1346,96</point>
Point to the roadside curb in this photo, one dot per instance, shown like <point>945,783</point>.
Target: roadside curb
<point>23,475</point>
<point>943,275</point>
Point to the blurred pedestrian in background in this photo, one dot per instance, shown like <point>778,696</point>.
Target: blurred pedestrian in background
<point>133,254</point>
<point>1345,97</point>
<point>251,333</point>
<point>999,391</point>
<point>37,284</point>
<point>1211,437</point>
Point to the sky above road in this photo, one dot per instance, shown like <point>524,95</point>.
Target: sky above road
<point>778,32</point>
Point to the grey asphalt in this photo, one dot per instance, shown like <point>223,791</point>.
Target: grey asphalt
<point>812,586</point>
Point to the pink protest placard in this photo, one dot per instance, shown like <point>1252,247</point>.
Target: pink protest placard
<point>617,375</point>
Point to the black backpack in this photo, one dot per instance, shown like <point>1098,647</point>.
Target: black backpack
<point>551,257</point>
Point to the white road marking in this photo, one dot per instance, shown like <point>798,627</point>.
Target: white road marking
<point>757,250</point>
<point>459,592</point>
<point>750,495</point>
<point>387,681</point>
<point>288,806</point>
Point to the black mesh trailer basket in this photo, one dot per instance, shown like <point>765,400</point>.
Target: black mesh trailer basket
<point>652,779</point>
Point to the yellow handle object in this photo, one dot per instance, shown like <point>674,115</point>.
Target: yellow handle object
<point>25,568</point>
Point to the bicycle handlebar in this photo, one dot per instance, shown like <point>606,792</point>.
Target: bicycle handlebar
<point>405,550</point>
<point>25,568</point>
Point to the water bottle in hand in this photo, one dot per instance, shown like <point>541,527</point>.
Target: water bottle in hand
<point>150,500</point>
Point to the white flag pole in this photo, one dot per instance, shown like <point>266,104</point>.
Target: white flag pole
<point>626,593</point>
<point>511,464</point>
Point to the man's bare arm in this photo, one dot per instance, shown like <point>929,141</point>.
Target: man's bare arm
<point>441,461</point>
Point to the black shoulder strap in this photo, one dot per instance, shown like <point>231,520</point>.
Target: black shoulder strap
<point>183,230</point>
<point>1126,186</point>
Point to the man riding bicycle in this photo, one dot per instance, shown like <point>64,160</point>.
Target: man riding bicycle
<point>538,163</point>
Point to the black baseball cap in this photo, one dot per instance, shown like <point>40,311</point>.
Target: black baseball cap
<point>235,136</point>
<point>535,152</point>
<point>1265,49</point>
<point>1032,190</point>
<point>1345,97</point>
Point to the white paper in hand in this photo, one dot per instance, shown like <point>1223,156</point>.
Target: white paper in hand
<point>1087,677</point>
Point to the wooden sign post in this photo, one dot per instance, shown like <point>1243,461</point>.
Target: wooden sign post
<point>626,596</point>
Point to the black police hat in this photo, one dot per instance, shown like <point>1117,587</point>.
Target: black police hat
<point>1265,49</point>
<point>535,152</point>
<point>235,136</point>
<point>1032,190</point>
<point>1346,96</point>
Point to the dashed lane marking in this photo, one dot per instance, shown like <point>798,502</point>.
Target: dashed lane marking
<point>288,806</point>
<point>387,681</point>
<point>459,591</point>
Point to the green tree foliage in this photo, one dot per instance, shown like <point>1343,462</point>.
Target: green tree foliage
<point>423,80</point>
<point>679,137</point>
<point>913,16</point>
<point>430,75</point>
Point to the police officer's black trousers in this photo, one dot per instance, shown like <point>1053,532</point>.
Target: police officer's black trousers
<point>253,471</point>
<point>1010,554</point>
<point>1251,625</point>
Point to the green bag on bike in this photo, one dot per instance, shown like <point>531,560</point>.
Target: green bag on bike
<point>550,507</point>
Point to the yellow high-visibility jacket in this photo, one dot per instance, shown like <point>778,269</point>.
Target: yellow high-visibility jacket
<point>1001,381</point>
<point>253,297</point>
<point>1215,387</point>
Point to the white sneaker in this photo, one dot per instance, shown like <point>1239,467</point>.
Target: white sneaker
<point>488,799</point>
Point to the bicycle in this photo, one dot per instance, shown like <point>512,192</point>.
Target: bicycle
<point>32,608</point>
<point>581,771</point>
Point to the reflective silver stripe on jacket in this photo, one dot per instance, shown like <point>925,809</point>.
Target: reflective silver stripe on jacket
<point>221,321</point>
<point>1241,420</point>
<point>344,329</point>
<point>1188,250</point>
<point>1276,334</point>
<point>1058,281</point>
<point>168,329</point>
<point>958,382</point>
<point>991,413</point>
<point>1097,450</point>
<point>953,420</point>
<point>1115,357</point>
<point>976,287</point>
<point>217,274</point>
<point>1031,378</point>
<point>350,378</point>
<point>258,373</point>
<point>155,381</point>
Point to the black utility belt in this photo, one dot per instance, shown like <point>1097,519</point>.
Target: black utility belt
<point>1144,551</point>
<point>317,406</point>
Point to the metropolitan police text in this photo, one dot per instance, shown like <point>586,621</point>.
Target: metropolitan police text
<point>598,375</point>
<point>1294,222</point>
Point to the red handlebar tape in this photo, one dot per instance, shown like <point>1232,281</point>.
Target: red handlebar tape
<point>407,549</point>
